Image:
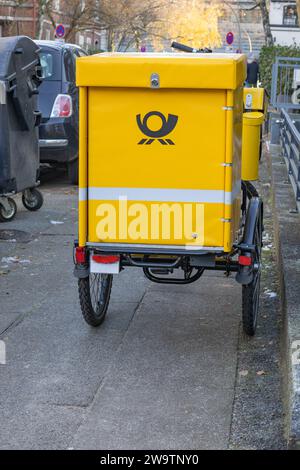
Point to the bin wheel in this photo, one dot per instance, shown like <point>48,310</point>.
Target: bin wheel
<point>8,213</point>
<point>32,199</point>
<point>94,294</point>
<point>251,292</point>
<point>73,172</point>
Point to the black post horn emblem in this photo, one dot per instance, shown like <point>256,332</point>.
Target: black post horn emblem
<point>167,125</point>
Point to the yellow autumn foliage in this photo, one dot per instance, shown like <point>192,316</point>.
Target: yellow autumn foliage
<point>192,22</point>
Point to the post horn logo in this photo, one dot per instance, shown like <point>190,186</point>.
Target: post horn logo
<point>167,126</point>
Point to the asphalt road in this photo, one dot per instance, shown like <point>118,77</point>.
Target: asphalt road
<point>169,369</point>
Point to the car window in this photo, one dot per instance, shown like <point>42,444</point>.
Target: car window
<point>80,53</point>
<point>69,66</point>
<point>77,53</point>
<point>50,63</point>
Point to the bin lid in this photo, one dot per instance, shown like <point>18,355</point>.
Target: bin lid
<point>175,70</point>
<point>22,45</point>
<point>253,119</point>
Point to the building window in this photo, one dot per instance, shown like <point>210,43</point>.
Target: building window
<point>81,40</point>
<point>290,17</point>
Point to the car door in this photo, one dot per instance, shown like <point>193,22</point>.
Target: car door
<point>51,85</point>
<point>75,53</point>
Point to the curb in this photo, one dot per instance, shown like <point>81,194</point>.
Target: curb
<point>287,240</point>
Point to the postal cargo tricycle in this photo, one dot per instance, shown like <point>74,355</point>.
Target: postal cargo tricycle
<point>160,165</point>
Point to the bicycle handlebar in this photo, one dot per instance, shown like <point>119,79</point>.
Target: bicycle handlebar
<point>184,48</point>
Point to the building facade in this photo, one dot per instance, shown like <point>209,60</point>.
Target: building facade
<point>245,23</point>
<point>284,22</point>
<point>25,18</point>
<point>17,18</point>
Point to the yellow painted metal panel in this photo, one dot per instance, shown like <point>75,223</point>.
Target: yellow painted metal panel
<point>83,180</point>
<point>176,70</point>
<point>108,229</point>
<point>175,148</point>
<point>194,161</point>
<point>228,169</point>
<point>257,100</point>
<point>236,163</point>
<point>251,145</point>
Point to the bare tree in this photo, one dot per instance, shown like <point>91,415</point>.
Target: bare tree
<point>78,14</point>
<point>266,22</point>
<point>263,6</point>
<point>298,10</point>
<point>131,22</point>
<point>127,22</point>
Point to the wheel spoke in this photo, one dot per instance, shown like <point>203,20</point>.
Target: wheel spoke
<point>98,292</point>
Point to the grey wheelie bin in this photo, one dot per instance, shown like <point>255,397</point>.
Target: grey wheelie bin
<point>20,77</point>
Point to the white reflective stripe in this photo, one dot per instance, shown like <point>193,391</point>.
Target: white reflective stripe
<point>237,190</point>
<point>230,197</point>
<point>82,194</point>
<point>160,195</point>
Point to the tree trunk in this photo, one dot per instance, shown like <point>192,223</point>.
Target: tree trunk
<point>298,11</point>
<point>109,39</point>
<point>266,22</point>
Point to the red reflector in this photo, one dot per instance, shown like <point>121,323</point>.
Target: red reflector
<point>80,255</point>
<point>106,259</point>
<point>245,260</point>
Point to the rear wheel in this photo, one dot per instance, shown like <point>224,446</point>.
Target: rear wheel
<point>32,199</point>
<point>8,211</point>
<point>251,292</point>
<point>94,295</point>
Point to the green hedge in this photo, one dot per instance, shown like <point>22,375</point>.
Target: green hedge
<point>92,51</point>
<point>267,58</point>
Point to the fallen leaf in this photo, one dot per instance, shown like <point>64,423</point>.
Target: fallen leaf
<point>260,372</point>
<point>243,373</point>
<point>56,222</point>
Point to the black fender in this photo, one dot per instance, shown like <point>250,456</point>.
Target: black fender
<point>247,245</point>
<point>81,271</point>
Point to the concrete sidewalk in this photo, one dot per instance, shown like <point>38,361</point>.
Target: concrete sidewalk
<point>287,230</point>
<point>169,369</point>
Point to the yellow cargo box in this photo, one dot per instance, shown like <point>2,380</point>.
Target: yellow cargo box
<point>160,149</point>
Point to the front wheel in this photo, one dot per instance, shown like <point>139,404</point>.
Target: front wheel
<point>32,199</point>
<point>94,294</point>
<point>8,210</point>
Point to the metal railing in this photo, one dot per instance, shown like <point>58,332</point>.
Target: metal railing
<point>290,144</point>
<point>285,90</point>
